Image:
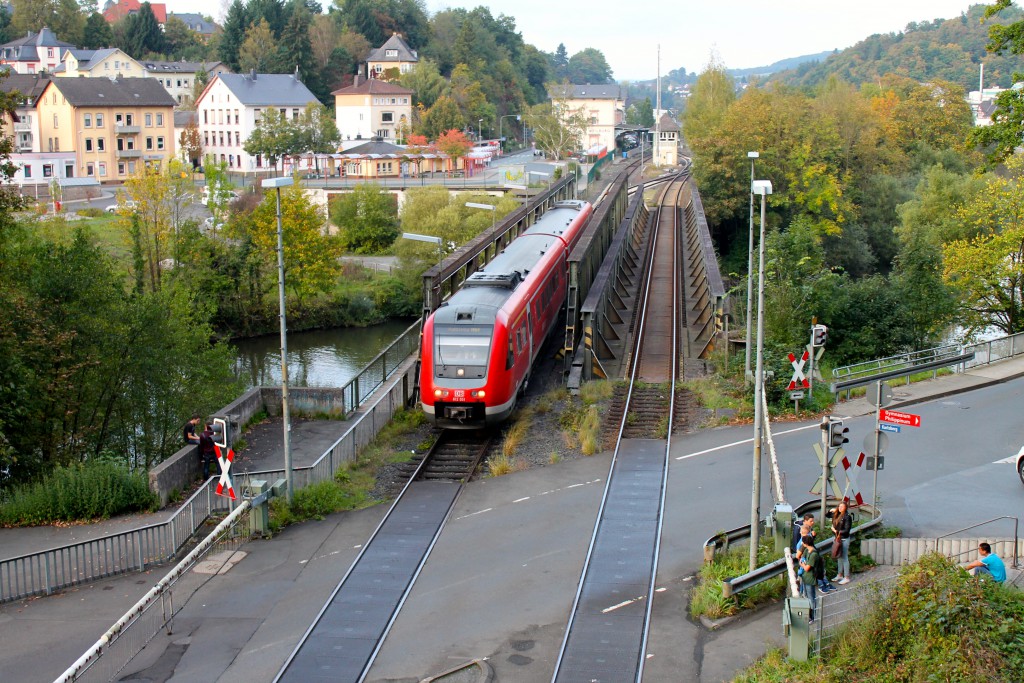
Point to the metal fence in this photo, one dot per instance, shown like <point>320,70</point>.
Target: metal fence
<point>910,362</point>
<point>834,612</point>
<point>155,611</point>
<point>52,570</point>
<point>378,370</point>
<point>995,350</point>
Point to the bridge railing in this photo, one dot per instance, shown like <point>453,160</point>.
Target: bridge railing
<point>705,290</point>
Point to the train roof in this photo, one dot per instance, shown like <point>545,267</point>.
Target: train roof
<point>486,290</point>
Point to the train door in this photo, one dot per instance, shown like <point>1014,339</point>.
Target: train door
<point>529,331</point>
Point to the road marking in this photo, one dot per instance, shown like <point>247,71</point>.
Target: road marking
<point>1011,459</point>
<point>744,441</point>
<point>624,603</point>
<point>520,500</point>
<point>542,493</point>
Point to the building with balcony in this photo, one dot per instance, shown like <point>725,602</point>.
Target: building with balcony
<point>395,54</point>
<point>372,109</point>
<point>178,78</point>
<point>110,63</point>
<point>24,129</point>
<point>115,127</point>
<point>603,107</point>
<point>34,53</point>
<point>231,105</point>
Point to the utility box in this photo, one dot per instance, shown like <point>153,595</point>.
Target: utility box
<point>782,526</point>
<point>259,515</point>
<point>796,622</point>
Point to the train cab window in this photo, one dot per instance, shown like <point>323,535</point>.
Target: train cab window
<point>462,345</point>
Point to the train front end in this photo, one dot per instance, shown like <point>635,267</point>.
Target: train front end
<point>458,387</point>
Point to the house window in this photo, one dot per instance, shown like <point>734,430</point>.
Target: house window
<point>256,115</point>
<point>120,168</point>
<point>27,170</point>
<point>206,138</point>
<point>99,120</point>
<point>387,117</point>
<point>56,144</point>
<point>88,120</point>
<point>103,169</point>
<point>149,120</point>
<point>383,133</point>
<point>295,114</point>
<point>378,68</point>
<point>131,168</point>
<point>117,64</point>
<point>179,82</point>
<point>206,118</point>
<point>159,119</point>
<point>160,142</point>
<point>237,139</point>
<point>129,119</point>
<point>118,119</point>
<point>90,170</point>
<point>236,117</point>
<point>49,52</point>
<point>101,145</point>
<point>405,100</point>
<point>47,170</point>
<point>55,122</point>
<point>88,144</point>
<point>106,65</point>
<point>390,53</point>
<point>231,160</point>
<point>149,143</point>
<point>220,136</point>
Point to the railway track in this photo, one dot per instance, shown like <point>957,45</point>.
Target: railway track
<point>345,636</point>
<point>606,636</point>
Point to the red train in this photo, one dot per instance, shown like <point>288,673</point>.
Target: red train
<point>479,346</point>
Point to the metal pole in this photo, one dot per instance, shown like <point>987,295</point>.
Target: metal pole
<point>750,273</point>
<point>284,354</point>
<point>825,434</point>
<point>878,415</point>
<point>755,497</point>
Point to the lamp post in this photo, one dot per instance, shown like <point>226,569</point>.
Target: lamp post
<point>486,207</point>
<point>480,129</point>
<point>763,188</point>
<point>501,120</point>
<point>278,183</point>
<point>750,270</point>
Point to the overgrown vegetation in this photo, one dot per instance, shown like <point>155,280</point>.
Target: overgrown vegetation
<point>938,624</point>
<point>98,489</point>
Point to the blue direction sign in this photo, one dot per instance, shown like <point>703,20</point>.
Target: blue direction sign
<point>895,429</point>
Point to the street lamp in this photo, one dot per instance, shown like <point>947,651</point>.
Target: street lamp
<point>763,188</point>
<point>480,129</point>
<point>487,207</point>
<point>501,120</point>
<point>278,183</point>
<point>750,269</point>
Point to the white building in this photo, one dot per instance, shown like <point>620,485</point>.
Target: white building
<point>178,78</point>
<point>34,53</point>
<point>601,105</point>
<point>373,109</point>
<point>230,106</point>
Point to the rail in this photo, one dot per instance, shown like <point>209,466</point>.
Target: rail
<point>995,350</point>
<point>906,371</point>
<point>377,371</point>
<point>705,290</point>
<point>1016,536</point>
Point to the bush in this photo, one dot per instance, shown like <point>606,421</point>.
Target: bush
<point>91,212</point>
<point>98,489</point>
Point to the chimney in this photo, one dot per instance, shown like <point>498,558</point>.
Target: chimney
<point>355,81</point>
<point>252,74</point>
<point>296,74</point>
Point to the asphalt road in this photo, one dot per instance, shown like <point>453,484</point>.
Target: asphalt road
<point>501,579</point>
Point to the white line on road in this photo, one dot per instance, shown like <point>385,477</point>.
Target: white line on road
<point>740,443</point>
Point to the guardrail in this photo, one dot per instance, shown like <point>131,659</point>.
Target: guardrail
<point>995,350</point>
<point>906,371</point>
<point>705,291</point>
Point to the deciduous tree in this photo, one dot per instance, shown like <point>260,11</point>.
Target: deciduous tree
<point>259,49</point>
<point>368,219</point>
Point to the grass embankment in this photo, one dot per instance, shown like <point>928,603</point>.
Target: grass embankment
<point>98,489</point>
<point>352,485</point>
<point>938,624</point>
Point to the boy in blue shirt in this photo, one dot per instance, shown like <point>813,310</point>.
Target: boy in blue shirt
<point>989,565</point>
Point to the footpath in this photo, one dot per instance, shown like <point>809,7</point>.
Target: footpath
<point>44,635</point>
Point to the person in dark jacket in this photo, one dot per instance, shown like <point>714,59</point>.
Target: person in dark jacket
<point>207,452</point>
<point>842,523</point>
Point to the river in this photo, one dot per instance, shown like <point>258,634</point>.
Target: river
<point>317,358</point>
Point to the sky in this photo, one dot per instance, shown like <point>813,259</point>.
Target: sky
<point>742,33</point>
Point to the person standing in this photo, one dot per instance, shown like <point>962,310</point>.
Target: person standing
<point>808,562</point>
<point>842,524</point>
<point>189,431</point>
<point>988,565</point>
<point>207,451</point>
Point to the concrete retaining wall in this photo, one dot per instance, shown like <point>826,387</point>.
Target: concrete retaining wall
<point>907,550</point>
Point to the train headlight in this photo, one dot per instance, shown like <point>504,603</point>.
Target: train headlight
<point>440,393</point>
<point>479,394</point>
<point>460,372</point>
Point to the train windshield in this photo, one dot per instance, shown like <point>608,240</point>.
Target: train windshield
<point>462,344</point>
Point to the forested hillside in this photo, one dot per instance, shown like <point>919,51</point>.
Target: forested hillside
<point>944,49</point>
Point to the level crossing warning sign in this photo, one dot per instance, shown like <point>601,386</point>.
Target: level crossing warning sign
<point>853,468</point>
<point>224,487</point>
<point>799,380</point>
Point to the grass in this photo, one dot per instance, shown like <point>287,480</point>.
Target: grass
<point>937,624</point>
<point>718,393</point>
<point>596,391</point>
<point>707,599</point>
<point>590,431</point>
<point>517,432</point>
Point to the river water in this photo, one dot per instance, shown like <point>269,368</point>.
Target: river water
<point>317,358</point>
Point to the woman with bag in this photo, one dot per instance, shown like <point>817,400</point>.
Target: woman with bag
<point>842,523</point>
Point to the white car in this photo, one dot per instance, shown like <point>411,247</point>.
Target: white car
<point>1020,464</point>
<point>126,206</point>
<point>211,224</point>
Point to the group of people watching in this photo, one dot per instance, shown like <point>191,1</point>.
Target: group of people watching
<point>811,572</point>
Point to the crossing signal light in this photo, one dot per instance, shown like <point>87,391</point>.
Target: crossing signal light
<point>819,336</point>
<point>837,434</point>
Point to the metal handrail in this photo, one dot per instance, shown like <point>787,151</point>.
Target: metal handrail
<point>1016,523</point>
<point>864,380</point>
<point>871,367</point>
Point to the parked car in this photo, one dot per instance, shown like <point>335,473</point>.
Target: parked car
<point>125,206</point>
<point>1020,465</point>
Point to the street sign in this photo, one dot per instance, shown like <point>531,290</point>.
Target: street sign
<point>871,463</point>
<point>832,484</point>
<point>896,417</point>
<point>853,469</point>
<point>224,487</point>
<point>869,442</point>
<point>871,394</point>
<point>798,379</point>
<point>796,395</point>
<point>889,428</point>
